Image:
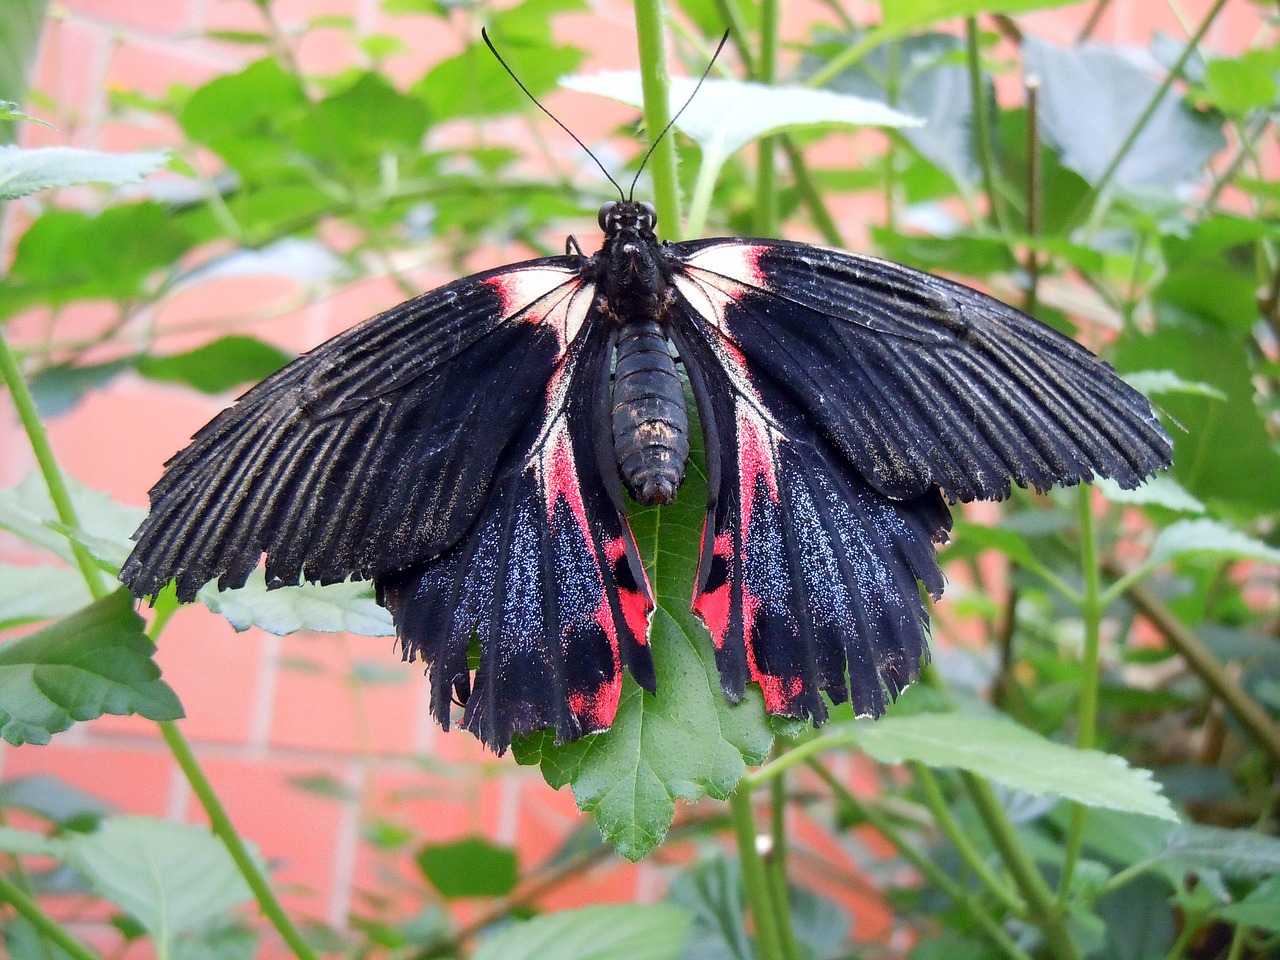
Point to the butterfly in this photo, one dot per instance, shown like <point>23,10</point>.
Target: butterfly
<point>468,449</point>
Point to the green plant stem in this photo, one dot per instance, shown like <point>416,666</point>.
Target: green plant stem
<point>799,754</point>
<point>45,924</point>
<point>937,805</point>
<point>775,865</point>
<point>226,832</point>
<point>1087,713</point>
<point>1034,194</point>
<point>893,52</point>
<point>849,56</point>
<point>1098,196</point>
<point>809,194</point>
<point>731,16</point>
<point>768,942</point>
<point>656,84</point>
<point>931,871</point>
<point>1044,911</point>
<point>982,121</point>
<point>766,206</point>
<point>39,441</point>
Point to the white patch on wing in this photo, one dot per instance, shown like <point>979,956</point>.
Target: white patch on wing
<point>522,290</point>
<point>734,259</point>
<point>569,312</point>
<point>709,295</point>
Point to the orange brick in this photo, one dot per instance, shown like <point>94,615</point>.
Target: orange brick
<point>296,831</point>
<point>319,708</point>
<point>131,779</point>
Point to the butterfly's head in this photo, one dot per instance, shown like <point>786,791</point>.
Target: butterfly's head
<point>623,218</point>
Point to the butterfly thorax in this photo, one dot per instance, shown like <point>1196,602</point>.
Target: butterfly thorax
<point>649,419</point>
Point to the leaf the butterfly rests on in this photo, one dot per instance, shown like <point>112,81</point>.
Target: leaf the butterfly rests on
<point>467,451</point>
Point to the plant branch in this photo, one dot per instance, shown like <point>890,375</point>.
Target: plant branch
<point>766,206</point>
<point>982,121</point>
<point>1044,911</point>
<point>224,829</point>
<point>1087,715</point>
<point>768,941</point>
<point>937,805</point>
<point>44,924</point>
<point>39,441</point>
<point>931,871</point>
<point>1098,194</point>
<point>656,83</point>
<point>1206,666</point>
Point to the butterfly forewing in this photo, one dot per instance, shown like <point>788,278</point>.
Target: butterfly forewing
<point>921,382</point>
<point>372,452</point>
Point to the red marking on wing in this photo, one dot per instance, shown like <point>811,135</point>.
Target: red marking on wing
<point>561,475</point>
<point>596,710</point>
<point>713,605</point>
<point>636,608</point>
<point>615,550</point>
<point>755,463</point>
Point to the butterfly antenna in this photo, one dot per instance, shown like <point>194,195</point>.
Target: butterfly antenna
<point>671,123</point>
<point>511,73</point>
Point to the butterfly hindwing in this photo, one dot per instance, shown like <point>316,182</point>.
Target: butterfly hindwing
<point>374,451</point>
<point>918,381</point>
<point>808,577</point>
<point>548,581</point>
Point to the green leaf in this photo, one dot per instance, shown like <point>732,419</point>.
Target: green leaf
<point>337,608</point>
<point>67,255</point>
<point>1209,270</point>
<point>246,117</point>
<point>1233,853</point>
<point>27,512</point>
<point>1243,84</point>
<point>1223,454</point>
<point>904,15</point>
<point>1208,537</point>
<point>1173,147</point>
<point>1260,909</point>
<point>726,115</point>
<point>57,389</point>
<point>170,877</point>
<point>1161,491</point>
<point>93,662</point>
<point>19,44</point>
<point>473,84</point>
<point>1014,756</point>
<point>970,255</point>
<point>24,172</point>
<point>324,785</point>
<point>688,741</point>
<point>9,112</point>
<point>930,84</point>
<point>1156,382</point>
<point>634,931</point>
<point>361,123</point>
<point>53,799</point>
<point>29,594</point>
<point>225,363</point>
<point>471,867</point>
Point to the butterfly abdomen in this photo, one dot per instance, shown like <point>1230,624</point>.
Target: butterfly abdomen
<point>650,423</point>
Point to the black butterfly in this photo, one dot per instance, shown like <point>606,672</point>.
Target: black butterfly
<point>464,449</point>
